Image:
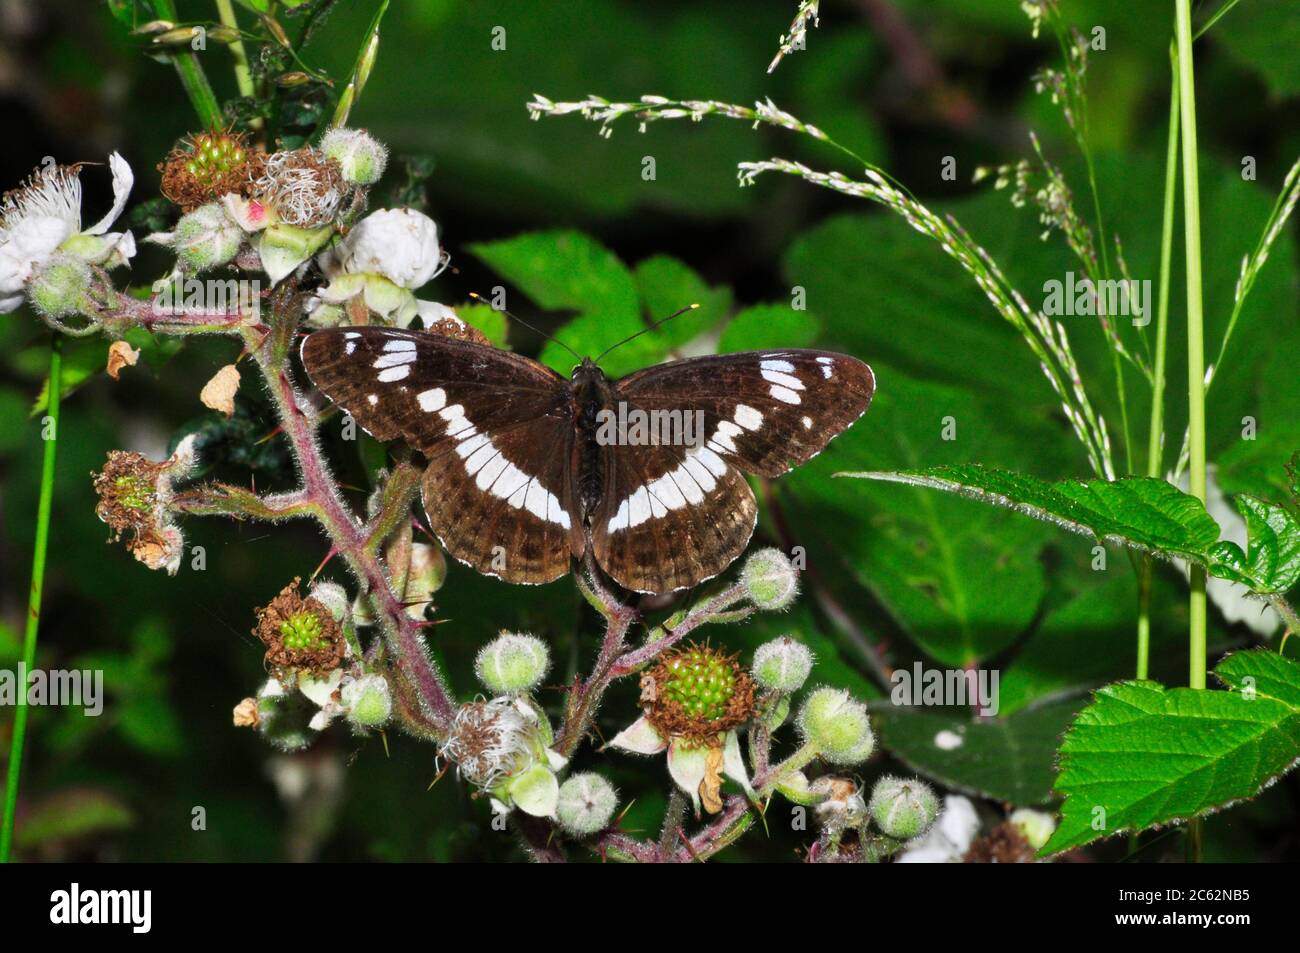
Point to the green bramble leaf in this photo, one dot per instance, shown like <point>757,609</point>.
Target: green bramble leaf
<point>1271,562</point>
<point>1144,513</point>
<point>570,271</point>
<point>768,326</point>
<point>487,319</point>
<point>666,285</point>
<point>1142,755</point>
<point>1004,758</point>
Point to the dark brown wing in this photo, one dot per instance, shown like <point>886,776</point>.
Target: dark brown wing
<point>671,516</point>
<point>496,428</point>
<point>764,411</point>
<point>679,512</point>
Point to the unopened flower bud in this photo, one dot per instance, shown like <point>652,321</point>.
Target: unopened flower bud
<point>399,243</point>
<point>360,156</point>
<point>586,805</point>
<point>770,580</point>
<point>1037,827</point>
<point>837,726</point>
<point>203,239</point>
<point>782,665</point>
<point>903,808</point>
<point>367,700</point>
<point>512,664</point>
<point>58,287</point>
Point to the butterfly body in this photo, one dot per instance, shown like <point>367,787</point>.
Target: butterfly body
<point>528,469</point>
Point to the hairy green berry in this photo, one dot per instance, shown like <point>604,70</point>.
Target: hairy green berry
<point>903,808</point>
<point>512,664</point>
<point>697,692</point>
<point>586,805</point>
<point>837,726</point>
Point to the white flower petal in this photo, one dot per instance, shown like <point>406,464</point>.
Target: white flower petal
<point>688,766</point>
<point>123,179</point>
<point>950,837</point>
<point>733,763</point>
<point>433,311</point>
<point>321,690</point>
<point>401,244</point>
<point>639,737</point>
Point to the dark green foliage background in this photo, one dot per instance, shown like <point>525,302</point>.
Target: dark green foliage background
<point>921,576</point>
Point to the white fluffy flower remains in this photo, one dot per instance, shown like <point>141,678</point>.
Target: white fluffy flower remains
<point>44,216</point>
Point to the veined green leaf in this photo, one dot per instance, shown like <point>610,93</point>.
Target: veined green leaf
<point>1271,562</point>
<point>565,270</point>
<point>1145,513</point>
<point>1142,755</point>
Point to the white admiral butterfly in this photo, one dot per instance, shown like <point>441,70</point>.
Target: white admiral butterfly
<point>518,479</point>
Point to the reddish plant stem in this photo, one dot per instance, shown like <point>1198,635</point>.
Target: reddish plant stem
<point>629,662</point>
<point>349,538</point>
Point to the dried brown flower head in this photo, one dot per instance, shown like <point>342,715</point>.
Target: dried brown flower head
<point>207,165</point>
<point>128,489</point>
<point>301,636</point>
<point>698,693</point>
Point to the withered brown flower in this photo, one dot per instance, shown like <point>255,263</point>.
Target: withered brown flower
<point>301,636</point>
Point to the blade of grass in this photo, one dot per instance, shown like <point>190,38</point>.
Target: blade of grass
<point>361,69</point>
<point>55,388</point>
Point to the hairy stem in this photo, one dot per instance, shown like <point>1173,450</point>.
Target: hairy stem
<point>55,387</point>
<point>349,537</point>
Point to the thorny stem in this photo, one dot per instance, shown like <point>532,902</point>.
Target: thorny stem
<point>55,388</point>
<point>350,537</point>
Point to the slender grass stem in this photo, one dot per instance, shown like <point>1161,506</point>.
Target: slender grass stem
<point>193,79</point>
<point>1155,433</point>
<point>34,595</point>
<point>1195,331</point>
<point>243,76</point>
<point>1195,354</point>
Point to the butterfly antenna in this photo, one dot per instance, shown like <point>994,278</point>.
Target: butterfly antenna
<point>648,328</point>
<point>481,300</point>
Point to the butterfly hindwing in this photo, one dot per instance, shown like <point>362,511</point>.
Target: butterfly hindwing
<point>671,516</point>
<point>763,411</point>
<point>496,429</point>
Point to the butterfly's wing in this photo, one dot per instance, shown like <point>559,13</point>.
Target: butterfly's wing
<point>670,516</point>
<point>495,427</point>
<point>673,516</point>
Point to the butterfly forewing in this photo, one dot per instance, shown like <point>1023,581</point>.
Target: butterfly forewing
<point>495,427</point>
<point>763,411</point>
